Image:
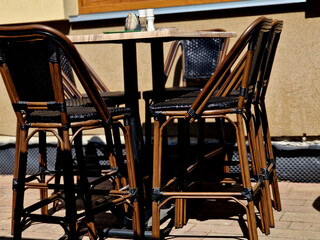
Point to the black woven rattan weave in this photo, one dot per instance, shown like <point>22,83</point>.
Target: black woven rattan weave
<point>184,103</point>
<point>201,57</point>
<point>29,76</point>
<point>111,98</point>
<point>76,113</point>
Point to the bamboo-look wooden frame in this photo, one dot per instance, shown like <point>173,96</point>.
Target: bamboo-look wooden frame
<point>261,27</point>
<point>261,114</point>
<point>42,32</point>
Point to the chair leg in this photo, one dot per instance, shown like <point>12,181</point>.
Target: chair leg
<point>84,184</point>
<point>183,146</point>
<point>43,168</point>
<point>119,155</point>
<point>19,184</point>
<point>256,164</point>
<point>156,180</point>
<point>137,226</point>
<point>270,156</point>
<point>15,173</point>
<point>112,159</point>
<point>245,174</point>
<point>57,174</point>
<point>222,143</point>
<point>148,126</point>
<point>201,138</point>
<point>264,166</point>
<point>69,188</point>
<point>179,213</point>
<point>266,180</point>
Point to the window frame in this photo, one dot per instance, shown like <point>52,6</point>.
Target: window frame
<point>100,6</point>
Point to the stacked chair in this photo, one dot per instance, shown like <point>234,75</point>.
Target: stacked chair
<point>30,57</point>
<point>261,119</point>
<point>229,95</point>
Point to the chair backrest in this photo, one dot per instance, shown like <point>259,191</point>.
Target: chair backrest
<point>200,58</point>
<point>30,64</point>
<point>268,59</point>
<point>241,66</point>
<point>69,84</point>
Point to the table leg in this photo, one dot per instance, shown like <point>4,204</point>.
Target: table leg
<point>131,98</point>
<point>131,94</point>
<point>157,70</point>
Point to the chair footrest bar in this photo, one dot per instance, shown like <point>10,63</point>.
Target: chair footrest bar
<point>201,194</point>
<point>46,218</point>
<point>43,203</point>
<point>213,153</point>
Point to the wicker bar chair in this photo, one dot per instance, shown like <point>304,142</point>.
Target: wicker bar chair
<point>31,70</point>
<point>71,92</point>
<point>242,62</point>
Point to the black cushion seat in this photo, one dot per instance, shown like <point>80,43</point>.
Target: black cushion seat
<point>110,98</point>
<point>184,103</point>
<point>113,97</point>
<point>75,114</point>
<point>233,93</point>
<point>171,92</point>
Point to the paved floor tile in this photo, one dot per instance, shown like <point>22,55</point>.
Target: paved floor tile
<point>305,226</point>
<point>298,220</point>
<point>301,217</point>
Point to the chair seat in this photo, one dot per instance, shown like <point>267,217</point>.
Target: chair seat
<point>172,92</point>
<point>184,103</point>
<point>113,97</point>
<point>110,98</point>
<point>75,113</point>
<point>233,93</point>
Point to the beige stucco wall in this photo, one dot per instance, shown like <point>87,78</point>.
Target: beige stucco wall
<point>293,97</point>
<point>17,11</point>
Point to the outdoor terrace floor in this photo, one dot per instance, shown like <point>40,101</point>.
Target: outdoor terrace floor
<point>299,219</point>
